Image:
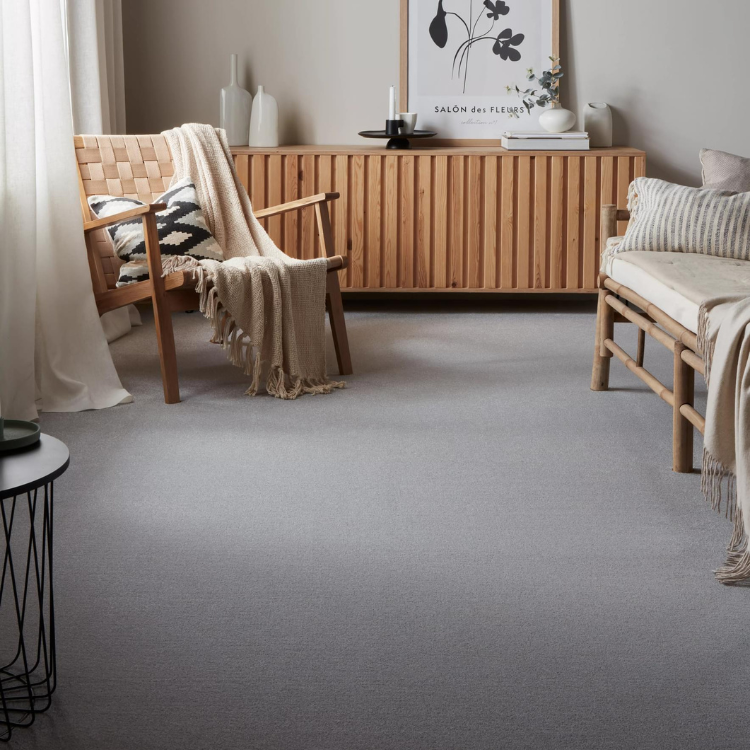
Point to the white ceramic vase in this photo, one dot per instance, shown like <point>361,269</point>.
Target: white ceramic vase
<point>557,120</point>
<point>597,117</point>
<point>264,121</point>
<point>234,113</point>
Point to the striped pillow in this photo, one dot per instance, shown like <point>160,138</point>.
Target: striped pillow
<point>669,218</point>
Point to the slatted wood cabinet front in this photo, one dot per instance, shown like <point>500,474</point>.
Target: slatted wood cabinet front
<point>471,219</point>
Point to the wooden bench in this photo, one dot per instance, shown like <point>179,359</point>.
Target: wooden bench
<point>620,304</point>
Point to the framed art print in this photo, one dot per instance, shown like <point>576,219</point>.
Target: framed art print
<point>458,57</point>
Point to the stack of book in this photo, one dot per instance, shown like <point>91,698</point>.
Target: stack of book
<point>539,141</point>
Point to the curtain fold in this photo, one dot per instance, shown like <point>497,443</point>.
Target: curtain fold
<point>53,352</point>
<point>97,93</point>
<point>95,58</point>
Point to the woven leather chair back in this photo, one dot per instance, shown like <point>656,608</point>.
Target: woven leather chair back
<point>133,166</point>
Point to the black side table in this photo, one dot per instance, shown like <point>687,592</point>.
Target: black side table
<point>27,612</point>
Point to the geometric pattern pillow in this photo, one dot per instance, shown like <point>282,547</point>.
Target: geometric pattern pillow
<point>181,227</point>
<point>671,218</point>
<point>132,272</point>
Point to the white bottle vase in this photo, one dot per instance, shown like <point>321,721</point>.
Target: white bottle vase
<point>234,113</point>
<point>264,121</point>
<point>557,119</point>
<point>597,117</point>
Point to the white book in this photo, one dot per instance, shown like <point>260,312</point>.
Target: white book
<point>570,135</point>
<point>545,144</point>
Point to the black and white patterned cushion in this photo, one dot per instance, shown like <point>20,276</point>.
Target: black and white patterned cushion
<point>132,272</point>
<point>181,226</point>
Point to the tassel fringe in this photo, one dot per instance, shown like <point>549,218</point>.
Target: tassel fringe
<point>715,476</point>
<point>240,347</point>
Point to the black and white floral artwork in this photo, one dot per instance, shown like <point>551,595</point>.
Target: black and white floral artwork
<point>472,29</point>
<point>463,54</point>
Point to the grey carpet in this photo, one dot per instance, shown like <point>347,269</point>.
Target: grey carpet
<point>466,549</point>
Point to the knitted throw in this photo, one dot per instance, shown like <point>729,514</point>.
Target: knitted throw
<point>724,341</point>
<point>267,309</point>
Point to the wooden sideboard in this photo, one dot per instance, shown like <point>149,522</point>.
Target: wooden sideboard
<point>441,219</point>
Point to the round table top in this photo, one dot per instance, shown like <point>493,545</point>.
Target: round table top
<point>32,467</point>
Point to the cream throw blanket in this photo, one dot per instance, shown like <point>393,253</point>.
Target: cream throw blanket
<point>267,309</point>
<point>724,340</point>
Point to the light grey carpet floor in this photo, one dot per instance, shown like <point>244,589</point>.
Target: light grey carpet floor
<point>466,549</point>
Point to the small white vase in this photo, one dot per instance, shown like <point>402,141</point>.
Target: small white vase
<point>234,113</point>
<point>264,121</point>
<point>557,120</point>
<point>597,118</point>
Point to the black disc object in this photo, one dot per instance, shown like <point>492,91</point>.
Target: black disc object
<point>399,141</point>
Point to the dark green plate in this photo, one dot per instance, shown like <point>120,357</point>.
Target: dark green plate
<point>18,434</point>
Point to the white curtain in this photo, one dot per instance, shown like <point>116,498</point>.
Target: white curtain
<point>97,78</point>
<point>97,93</point>
<point>53,353</point>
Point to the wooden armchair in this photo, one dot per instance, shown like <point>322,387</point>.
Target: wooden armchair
<point>141,167</point>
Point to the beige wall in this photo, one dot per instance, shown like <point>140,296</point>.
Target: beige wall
<point>671,69</point>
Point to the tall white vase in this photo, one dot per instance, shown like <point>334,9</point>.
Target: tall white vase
<point>597,117</point>
<point>264,121</point>
<point>234,114</point>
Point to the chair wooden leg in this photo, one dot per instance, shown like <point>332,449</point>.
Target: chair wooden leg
<point>162,315</point>
<point>167,352</point>
<point>605,323</point>
<point>335,306</point>
<point>641,350</point>
<point>682,430</point>
<point>334,303</point>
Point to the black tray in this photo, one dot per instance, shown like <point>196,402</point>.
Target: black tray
<point>18,434</point>
<point>397,141</point>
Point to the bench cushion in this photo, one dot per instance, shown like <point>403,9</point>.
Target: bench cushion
<point>678,283</point>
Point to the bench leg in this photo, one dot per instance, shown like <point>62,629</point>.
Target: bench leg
<point>605,325</point>
<point>641,351</point>
<point>682,430</point>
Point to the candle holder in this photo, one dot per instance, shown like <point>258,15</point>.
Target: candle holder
<point>392,126</point>
<point>396,140</point>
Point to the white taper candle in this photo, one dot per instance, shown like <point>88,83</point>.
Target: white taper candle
<point>392,104</point>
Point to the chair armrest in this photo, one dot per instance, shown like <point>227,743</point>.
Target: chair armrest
<point>295,205</point>
<point>337,262</point>
<point>90,226</point>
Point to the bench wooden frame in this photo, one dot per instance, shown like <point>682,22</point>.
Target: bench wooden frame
<point>141,167</point>
<point>654,322</point>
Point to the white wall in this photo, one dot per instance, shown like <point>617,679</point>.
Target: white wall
<point>673,70</point>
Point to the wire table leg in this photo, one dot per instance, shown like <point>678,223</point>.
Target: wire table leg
<point>28,665</point>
